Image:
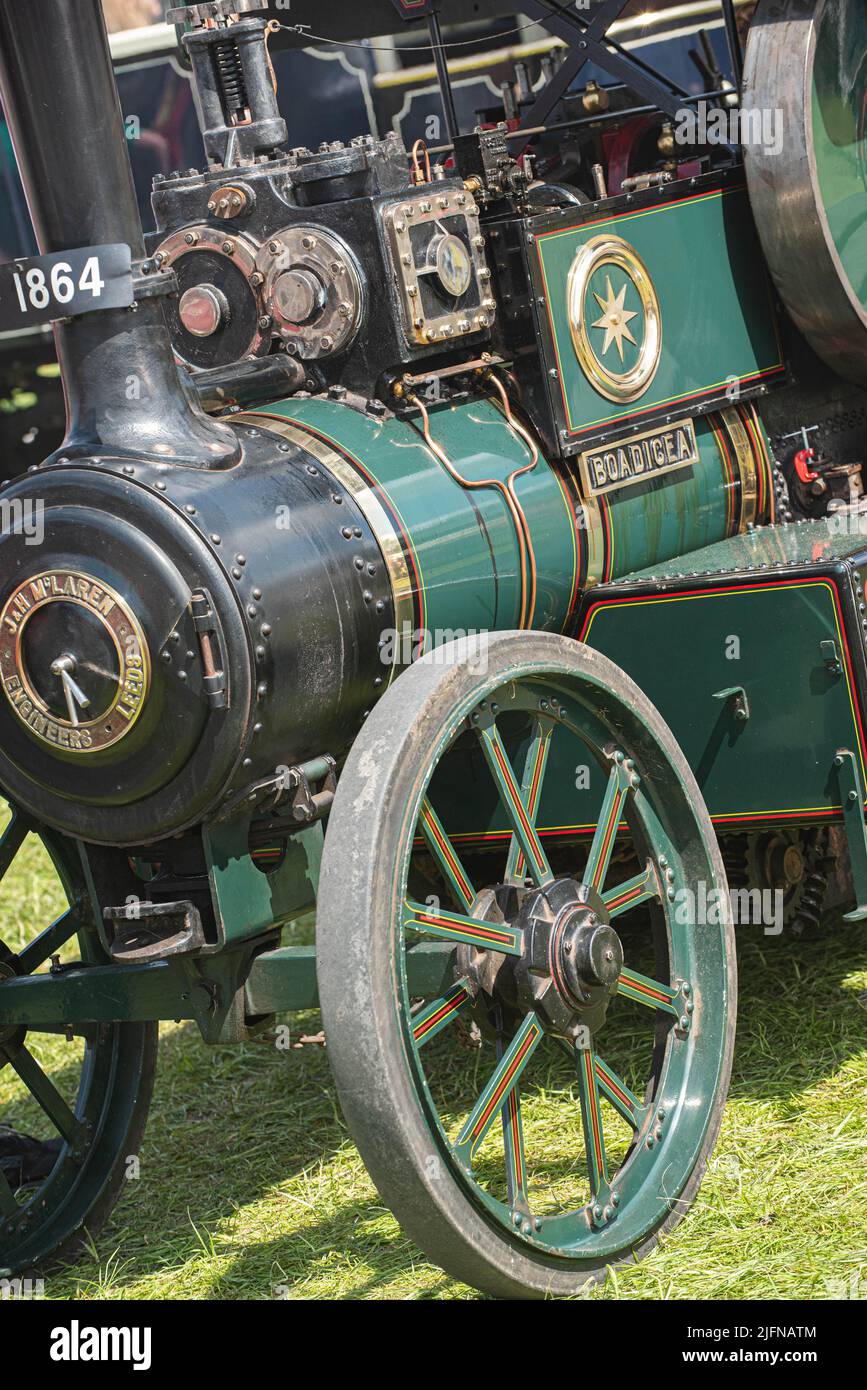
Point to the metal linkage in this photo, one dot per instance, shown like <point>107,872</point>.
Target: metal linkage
<point>588,44</point>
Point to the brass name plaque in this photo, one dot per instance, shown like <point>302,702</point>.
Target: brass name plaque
<point>638,458</point>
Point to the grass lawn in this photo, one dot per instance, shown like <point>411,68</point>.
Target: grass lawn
<point>250,1187</point>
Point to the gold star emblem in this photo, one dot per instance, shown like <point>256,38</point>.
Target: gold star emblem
<point>615,318</point>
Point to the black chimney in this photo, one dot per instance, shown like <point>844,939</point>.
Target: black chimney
<point>124,395</point>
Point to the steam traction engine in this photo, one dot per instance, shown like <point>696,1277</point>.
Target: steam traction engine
<point>467,545</point>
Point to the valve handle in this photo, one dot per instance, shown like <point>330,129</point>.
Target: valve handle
<point>804,472</point>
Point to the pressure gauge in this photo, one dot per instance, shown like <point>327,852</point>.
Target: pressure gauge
<point>453,266</point>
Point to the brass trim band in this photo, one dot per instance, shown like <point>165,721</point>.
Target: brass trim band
<point>368,504</point>
<point>747,466</point>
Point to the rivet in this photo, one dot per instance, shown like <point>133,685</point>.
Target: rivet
<point>190,509</point>
<point>266,629</point>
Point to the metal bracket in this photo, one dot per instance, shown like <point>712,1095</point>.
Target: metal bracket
<point>150,280</point>
<point>293,783</point>
<point>145,931</point>
<point>852,801</point>
<point>740,701</point>
<point>831,657</point>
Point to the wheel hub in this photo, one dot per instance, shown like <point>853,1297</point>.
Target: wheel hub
<point>572,957</point>
<point>585,953</point>
<point>571,961</point>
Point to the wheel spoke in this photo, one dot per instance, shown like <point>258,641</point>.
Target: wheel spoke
<point>44,1091</point>
<point>433,1019</point>
<point>496,936</point>
<point>606,829</point>
<point>634,986</point>
<point>591,1118</point>
<point>505,1077</point>
<point>444,852</point>
<point>8,1204</point>
<point>48,942</point>
<point>531,794</point>
<point>513,1138</point>
<point>516,809</point>
<point>12,839</point>
<point>633,891</point>
<point>625,1102</point>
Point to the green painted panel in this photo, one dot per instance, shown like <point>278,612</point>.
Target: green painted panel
<point>702,258</point>
<point>764,636</point>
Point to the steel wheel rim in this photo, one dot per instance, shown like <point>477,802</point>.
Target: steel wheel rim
<point>669,1135</point>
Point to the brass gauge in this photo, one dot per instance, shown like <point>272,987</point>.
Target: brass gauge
<point>454,267</point>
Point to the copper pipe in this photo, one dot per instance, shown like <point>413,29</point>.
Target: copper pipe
<point>522,531</point>
<point>416,167</point>
<point>528,439</point>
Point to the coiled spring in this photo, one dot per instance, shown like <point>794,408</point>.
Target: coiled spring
<point>230,75</point>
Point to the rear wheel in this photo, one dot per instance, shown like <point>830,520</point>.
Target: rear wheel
<point>82,1094</point>
<point>548,1106</point>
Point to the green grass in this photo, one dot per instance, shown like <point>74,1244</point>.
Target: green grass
<point>251,1188</point>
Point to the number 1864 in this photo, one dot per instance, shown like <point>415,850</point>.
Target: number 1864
<point>35,290</point>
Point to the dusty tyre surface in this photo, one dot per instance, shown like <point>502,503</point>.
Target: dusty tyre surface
<point>454,1079</point>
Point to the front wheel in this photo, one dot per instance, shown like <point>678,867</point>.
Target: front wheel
<point>73,1101</point>
<point>531,1041</point>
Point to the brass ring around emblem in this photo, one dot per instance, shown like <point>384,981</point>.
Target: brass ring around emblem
<point>93,707</point>
<point>615,320</point>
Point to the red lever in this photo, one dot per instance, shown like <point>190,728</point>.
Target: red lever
<point>805,474</point>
